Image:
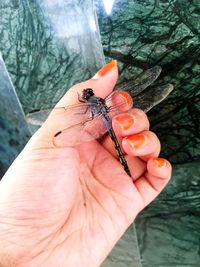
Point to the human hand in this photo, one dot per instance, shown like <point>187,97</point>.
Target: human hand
<point>69,206</point>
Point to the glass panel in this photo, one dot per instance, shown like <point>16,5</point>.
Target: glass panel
<point>48,46</point>
<point>126,252</point>
<point>13,128</point>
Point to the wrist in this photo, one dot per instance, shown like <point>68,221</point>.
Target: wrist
<point>7,257</point>
<point>5,261</point>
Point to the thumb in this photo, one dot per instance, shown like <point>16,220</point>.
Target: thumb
<point>42,173</point>
<point>102,83</point>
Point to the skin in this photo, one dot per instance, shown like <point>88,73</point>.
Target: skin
<point>64,206</point>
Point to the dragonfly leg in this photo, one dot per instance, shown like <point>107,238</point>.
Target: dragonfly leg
<point>81,113</point>
<point>90,118</point>
<point>80,99</point>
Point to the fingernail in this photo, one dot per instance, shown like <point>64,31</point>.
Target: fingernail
<point>160,162</point>
<point>125,121</point>
<point>122,100</point>
<point>136,141</point>
<point>106,69</point>
<point>127,98</point>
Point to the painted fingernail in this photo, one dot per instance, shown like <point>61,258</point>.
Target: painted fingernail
<point>160,162</point>
<point>125,121</point>
<point>127,98</point>
<point>106,69</point>
<point>122,100</point>
<point>136,141</point>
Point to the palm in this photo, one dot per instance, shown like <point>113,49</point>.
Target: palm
<point>91,209</point>
<point>101,197</point>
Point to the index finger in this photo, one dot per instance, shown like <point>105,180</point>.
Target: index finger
<point>102,84</point>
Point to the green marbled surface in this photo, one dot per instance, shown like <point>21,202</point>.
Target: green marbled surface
<point>169,228</point>
<point>48,46</point>
<point>14,132</point>
<point>126,252</point>
<point>141,34</point>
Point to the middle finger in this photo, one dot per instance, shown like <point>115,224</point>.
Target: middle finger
<point>133,122</point>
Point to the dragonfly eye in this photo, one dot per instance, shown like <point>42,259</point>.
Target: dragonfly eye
<point>87,93</point>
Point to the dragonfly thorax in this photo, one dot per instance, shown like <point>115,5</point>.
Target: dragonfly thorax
<point>97,104</point>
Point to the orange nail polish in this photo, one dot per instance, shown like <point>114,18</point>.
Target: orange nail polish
<point>160,162</point>
<point>127,98</point>
<point>107,68</point>
<point>125,121</point>
<point>122,100</point>
<point>136,141</point>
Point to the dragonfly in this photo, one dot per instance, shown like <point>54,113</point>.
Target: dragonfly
<point>91,118</point>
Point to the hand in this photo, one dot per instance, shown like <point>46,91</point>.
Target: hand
<point>69,206</point>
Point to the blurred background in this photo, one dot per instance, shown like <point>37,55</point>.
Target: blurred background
<point>46,46</point>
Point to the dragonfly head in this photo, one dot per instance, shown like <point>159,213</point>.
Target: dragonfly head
<point>87,93</point>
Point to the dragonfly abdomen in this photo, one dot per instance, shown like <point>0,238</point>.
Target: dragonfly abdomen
<point>119,151</point>
<point>116,144</point>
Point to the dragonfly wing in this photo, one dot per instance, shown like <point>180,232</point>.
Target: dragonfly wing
<point>146,78</point>
<point>81,132</point>
<point>38,117</point>
<point>152,97</point>
<point>119,101</point>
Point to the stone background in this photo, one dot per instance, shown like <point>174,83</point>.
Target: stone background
<point>49,45</point>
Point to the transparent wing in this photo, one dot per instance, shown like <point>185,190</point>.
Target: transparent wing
<point>89,128</point>
<point>37,117</point>
<point>134,88</point>
<point>146,78</point>
<point>81,132</point>
<point>119,101</point>
<point>152,97</point>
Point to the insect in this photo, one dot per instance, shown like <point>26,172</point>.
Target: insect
<point>91,118</point>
